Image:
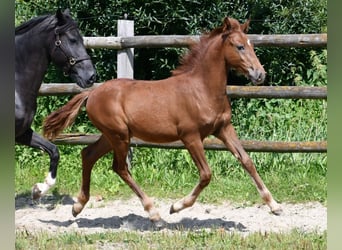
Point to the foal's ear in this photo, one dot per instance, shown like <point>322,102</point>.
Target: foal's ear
<point>245,26</point>
<point>226,25</point>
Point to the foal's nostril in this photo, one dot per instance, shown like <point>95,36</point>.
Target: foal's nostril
<point>261,77</point>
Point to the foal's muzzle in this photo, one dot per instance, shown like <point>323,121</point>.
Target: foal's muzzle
<point>257,76</point>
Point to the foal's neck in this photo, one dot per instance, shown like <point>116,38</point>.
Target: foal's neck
<point>213,67</point>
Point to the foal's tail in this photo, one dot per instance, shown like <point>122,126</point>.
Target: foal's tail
<point>60,119</point>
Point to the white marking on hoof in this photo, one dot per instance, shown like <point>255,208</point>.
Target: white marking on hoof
<point>49,180</point>
<point>177,206</point>
<point>44,187</point>
<point>275,208</point>
<point>154,215</point>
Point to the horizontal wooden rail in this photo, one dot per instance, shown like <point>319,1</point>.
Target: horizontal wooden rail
<point>294,92</point>
<point>209,143</point>
<point>162,41</point>
<point>290,92</point>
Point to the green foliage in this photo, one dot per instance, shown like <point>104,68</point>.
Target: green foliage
<point>317,74</point>
<point>288,17</point>
<point>99,18</point>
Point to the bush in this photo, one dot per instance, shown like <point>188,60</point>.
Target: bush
<point>99,18</point>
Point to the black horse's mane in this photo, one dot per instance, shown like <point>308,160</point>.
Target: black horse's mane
<point>30,24</point>
<point>23,28</point>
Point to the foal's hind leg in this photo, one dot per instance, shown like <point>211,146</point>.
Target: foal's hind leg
<point>120,166</point>
<point>232,142</point>
<point>196,150</point>
<point>32,139</point>
<point>90,155</point>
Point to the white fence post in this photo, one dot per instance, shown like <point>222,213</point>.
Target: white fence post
<point>125,58</point>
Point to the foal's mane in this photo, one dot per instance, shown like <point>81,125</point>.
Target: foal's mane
<point>197,50</point>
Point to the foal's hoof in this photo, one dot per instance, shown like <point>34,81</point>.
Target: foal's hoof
<point>172,210</point>
<point>277,211</point>
<point>76,209</point>
<point>74,213</point>
<point>36,192</point>
<point>159,224</point>
<point>154,216</point>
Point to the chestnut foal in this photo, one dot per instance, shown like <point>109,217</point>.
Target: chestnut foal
<point>188,106</point>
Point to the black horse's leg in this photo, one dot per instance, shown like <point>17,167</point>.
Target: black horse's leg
<point>32,139</point>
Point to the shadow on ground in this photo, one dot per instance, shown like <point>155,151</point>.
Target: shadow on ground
<point>128,222</point>
<point>24,200</point>
<point>139,223</point>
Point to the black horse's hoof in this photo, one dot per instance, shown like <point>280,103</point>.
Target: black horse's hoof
<point>36,193</point>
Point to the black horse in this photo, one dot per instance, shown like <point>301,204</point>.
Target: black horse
<point>39,41</point>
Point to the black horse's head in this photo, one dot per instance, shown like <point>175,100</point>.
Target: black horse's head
<point>69,53</point>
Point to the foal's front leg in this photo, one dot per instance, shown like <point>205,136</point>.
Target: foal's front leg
<point>228,136</point>
<point>90,155</point>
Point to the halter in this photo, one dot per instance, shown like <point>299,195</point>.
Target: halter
<point>71,61</point>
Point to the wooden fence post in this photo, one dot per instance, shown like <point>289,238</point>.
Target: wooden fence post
<point>126,56</point>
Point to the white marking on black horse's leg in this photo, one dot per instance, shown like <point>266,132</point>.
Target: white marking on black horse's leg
<point>40,189</point>
<point>39,142</point>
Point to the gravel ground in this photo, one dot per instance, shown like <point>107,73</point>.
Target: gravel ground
<point>100,215</point>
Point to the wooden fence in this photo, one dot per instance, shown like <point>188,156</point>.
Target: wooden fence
<point>297,40</point>
<point>125,42</point>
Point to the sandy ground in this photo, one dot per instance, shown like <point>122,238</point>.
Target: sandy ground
<point>109,216</point>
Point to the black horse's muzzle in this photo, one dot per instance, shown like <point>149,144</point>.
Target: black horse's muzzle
<point>80,69</point>
<point>84,75</point>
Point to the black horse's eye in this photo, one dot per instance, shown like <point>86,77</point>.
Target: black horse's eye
<point>73,40</point>
<point>240,47</point>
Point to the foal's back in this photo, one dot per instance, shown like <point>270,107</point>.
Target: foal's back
<point>157,111</point>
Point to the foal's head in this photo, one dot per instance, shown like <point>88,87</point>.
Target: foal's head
<point>239,51</point>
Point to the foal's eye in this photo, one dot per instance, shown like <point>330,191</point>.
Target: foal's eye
<point>240,47</point>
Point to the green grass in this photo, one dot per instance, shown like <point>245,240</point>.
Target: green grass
<point>290,177</point>
<point>202,239</point>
